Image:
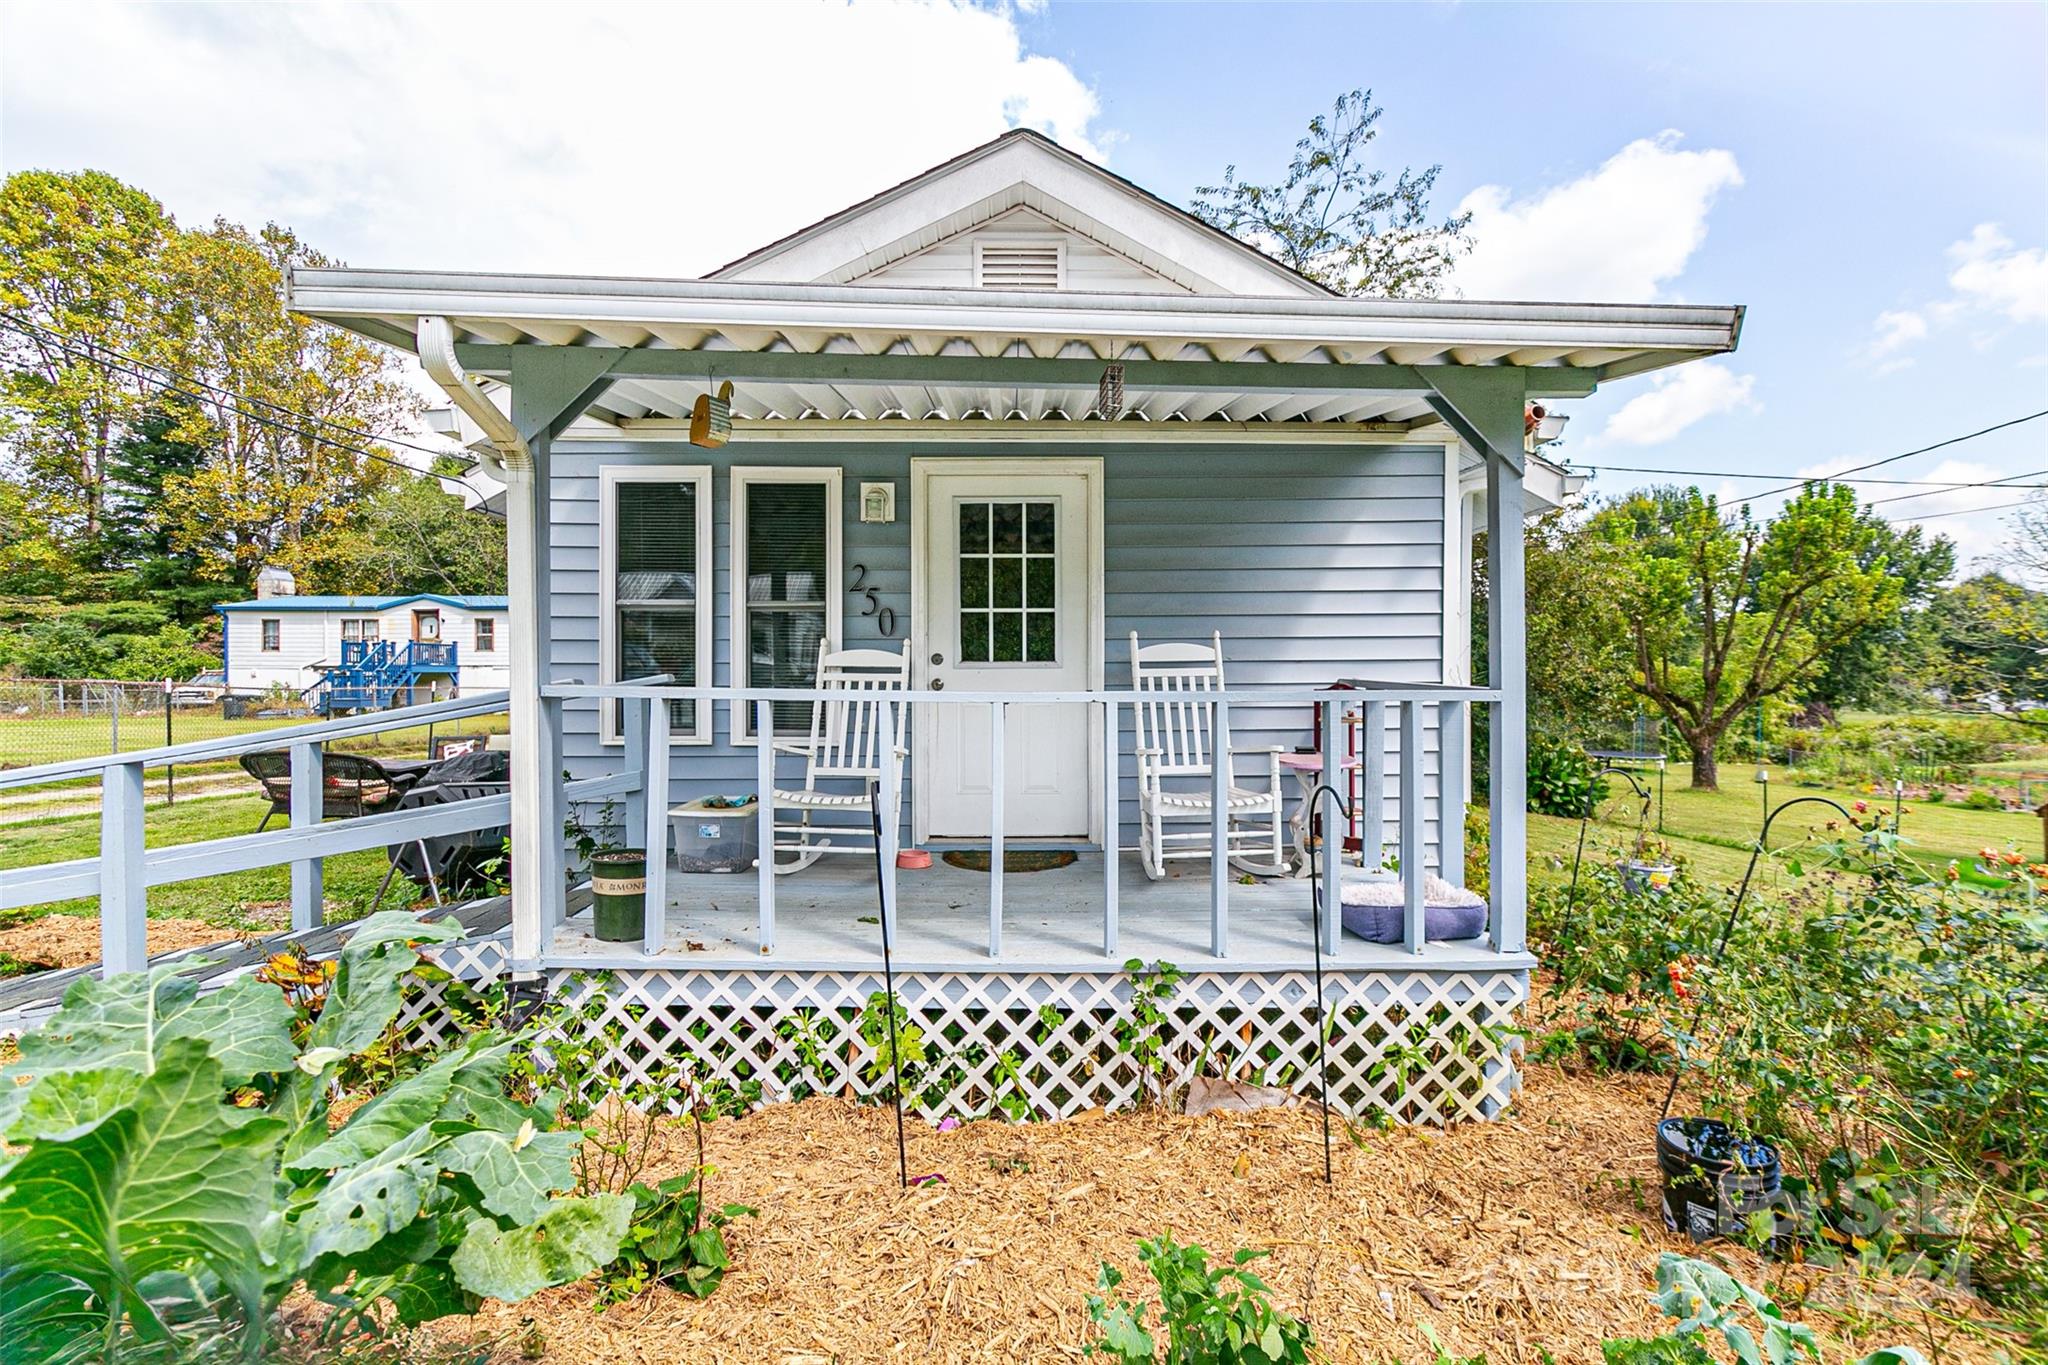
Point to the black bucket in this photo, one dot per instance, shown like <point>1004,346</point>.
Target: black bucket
<point>1714,1181</point>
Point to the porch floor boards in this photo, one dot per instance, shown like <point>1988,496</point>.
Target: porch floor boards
<point>1052,922</point>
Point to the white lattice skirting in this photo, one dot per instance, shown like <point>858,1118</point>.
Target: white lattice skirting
<point>1423,1046</point>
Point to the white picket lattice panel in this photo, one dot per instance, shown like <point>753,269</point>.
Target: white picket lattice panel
<point>1423,1046</point>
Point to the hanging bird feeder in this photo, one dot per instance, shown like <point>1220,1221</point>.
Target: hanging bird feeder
<point>711,418</point>
<point>1109,392</point>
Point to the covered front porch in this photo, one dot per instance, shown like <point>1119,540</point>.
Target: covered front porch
<point>829,919</point>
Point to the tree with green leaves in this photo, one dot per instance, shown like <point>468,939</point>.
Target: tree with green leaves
<point>1724,611</point>
<point>1993,642</point>
<point>424,538</point>
<point>287,470</point>
<point>136,540</point>
<point>1337,219</point>
<point>1872,666</point>
<point>85,284</point>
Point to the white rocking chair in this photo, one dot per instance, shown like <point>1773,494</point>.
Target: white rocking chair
<point>845,745</point>
<point>1175,776</point>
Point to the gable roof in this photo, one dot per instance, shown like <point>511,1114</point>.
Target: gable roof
<point>333,602</point>
<point>1020,168</point>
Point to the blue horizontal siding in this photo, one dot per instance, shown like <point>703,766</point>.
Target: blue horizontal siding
<point>1315,562</point>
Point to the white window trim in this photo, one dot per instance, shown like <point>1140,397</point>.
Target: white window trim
<point>832,477</point>
<point>609,479</point>
<point>1058,245</point>
<point>480,627</point>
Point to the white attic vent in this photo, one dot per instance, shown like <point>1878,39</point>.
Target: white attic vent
<point>1020,264</point>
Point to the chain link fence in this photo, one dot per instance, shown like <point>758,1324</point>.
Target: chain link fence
<point>50,720</point>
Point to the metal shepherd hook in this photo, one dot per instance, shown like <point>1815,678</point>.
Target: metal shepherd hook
<point>888,980</point>
<point>1315,896</point>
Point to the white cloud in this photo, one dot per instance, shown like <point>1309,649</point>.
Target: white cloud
<point>659,140</point>
<point>1617,234</point>
<point>1992,274</point>
<point>1993,284</point>
<point>1678,399</point>
<point>1896,331</point>
<point>1977,537</point>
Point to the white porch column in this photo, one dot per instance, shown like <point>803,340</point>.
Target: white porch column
<point>536,765</point>
<point>1506,669</point>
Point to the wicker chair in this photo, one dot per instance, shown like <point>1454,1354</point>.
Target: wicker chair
<point>350,785</point>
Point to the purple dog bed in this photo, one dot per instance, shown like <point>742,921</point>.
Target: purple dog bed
<point>1384,923</point>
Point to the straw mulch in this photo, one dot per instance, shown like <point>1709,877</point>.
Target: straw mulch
<point>1537,1232</point>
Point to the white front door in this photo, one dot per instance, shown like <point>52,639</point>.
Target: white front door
<point>1010,602</point>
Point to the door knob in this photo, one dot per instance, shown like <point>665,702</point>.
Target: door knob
<point>938,684</point>
<point>938,658</point>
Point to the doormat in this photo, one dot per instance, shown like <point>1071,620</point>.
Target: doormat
<point>1041,860</point>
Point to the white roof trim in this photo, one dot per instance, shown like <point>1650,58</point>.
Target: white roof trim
<point>1020,167</point>
<point>1611,339</point>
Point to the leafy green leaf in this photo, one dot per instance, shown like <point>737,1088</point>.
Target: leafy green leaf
<point>364,1203</point>
<point>172,1180</point>
<point>573,1238</point>
<point>516,1173</point>
<point>126,1023</point>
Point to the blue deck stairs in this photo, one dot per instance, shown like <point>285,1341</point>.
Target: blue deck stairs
<point>373,675</point>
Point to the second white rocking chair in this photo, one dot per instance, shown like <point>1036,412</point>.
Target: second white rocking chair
<point>1176,684</point>
<point>846,745</point>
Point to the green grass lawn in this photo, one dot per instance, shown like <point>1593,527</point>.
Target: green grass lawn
<point>238,900</point>
<point>1716,830</point>
<point>39,738</point>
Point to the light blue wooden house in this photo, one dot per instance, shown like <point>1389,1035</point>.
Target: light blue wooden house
<point>989,431</point>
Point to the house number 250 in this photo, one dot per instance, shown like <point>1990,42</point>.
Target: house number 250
<point>885,617</point>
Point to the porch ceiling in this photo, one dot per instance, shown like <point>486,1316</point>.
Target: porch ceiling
<point>854,352</point>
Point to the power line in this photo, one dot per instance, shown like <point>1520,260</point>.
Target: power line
<point>2009,481</point>
<point>153,373</point>
<point>1972,511</point>
<point>1894,459</point>
<point>1726,474</point>
<point>70,347</point>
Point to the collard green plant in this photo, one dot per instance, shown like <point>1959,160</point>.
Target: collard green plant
<point>170,1176</point>
<point>675,1239</point>
<point>1707,1302</point>
<point>1222,1315</point>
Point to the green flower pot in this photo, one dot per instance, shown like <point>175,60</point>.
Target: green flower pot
<point>618,883</point>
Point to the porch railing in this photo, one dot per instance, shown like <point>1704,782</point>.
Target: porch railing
<point>648,766</point>
<point>124,870</point>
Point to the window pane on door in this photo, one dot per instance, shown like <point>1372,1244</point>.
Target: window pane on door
<point>1009,574</point>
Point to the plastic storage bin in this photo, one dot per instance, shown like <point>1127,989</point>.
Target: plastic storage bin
<point>711,838</point>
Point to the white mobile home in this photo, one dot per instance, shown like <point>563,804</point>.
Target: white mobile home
<point>1023,512</point>
<point>297,643</point>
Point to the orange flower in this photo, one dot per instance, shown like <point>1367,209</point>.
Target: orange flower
<point>2012,859</point>
<point>1954,872</point>
<point>1962,1073</point>
<point>2037,869</point>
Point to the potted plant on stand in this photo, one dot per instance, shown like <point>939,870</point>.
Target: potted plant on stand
<point>618,876</point>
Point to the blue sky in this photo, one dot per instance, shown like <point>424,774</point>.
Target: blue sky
<point>1869,141</point>
<point>1872,182</point>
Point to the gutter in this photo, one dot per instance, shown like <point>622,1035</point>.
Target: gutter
<point>508,450</point>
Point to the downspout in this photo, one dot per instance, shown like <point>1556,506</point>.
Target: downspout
<point>509,452</point>
<point>510,459</point>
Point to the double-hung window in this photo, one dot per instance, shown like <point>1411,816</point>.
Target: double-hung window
<point>486,635</point>
<point>786,584</point>
<point>363,628</point>
<point>272,632</point>
<point>655,587</point>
